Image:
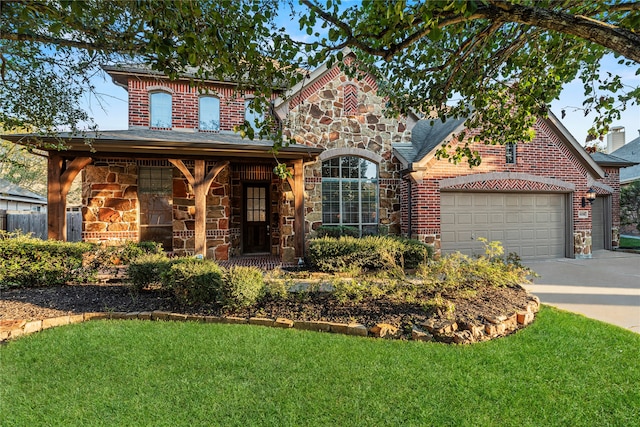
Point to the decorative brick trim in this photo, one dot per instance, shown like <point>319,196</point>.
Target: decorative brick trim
<point>313,180</point>
<point>390,181</point>
<point>509,181</point>
<point>109,235</point>
<point>350,99</point>
<point>192,233</point>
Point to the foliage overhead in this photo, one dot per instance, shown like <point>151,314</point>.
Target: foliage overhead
<point>503,60</point>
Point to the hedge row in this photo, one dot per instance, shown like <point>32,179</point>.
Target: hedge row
<point>346,253</point>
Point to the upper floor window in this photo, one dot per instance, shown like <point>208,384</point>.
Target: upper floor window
<point>209,111</point>
<point>510,153</point>
<point>252,116</point>
<point>160,109</point>
<point>350,193</point>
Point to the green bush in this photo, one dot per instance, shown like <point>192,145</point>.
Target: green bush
<point>147,269</point>
<point>26,261</point>
<point>194,281</point>
<point>243,286</point>
<point>124,254</point>
<point>337,231</point>
<point>346,253</point>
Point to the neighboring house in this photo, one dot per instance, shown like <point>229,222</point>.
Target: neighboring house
<point>180,176</point>
<point>631,152</point>
<point>16,198</point>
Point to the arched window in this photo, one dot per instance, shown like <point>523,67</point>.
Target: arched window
<point>160,109</point>
<point>350,193</point>
<point>209,111</point>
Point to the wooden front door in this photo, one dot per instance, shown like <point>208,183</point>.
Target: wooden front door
<point>256,218</point>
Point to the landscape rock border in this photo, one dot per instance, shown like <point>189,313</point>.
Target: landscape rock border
<point>440,330</point>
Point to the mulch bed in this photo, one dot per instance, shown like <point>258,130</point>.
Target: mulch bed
<point>41,303</point>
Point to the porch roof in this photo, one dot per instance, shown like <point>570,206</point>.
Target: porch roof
<point>167,143</point>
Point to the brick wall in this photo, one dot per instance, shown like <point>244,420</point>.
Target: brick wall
<point>551,167</point>
<point>185,103</point>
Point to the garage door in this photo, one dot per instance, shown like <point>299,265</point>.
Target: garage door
<point>532,224</point>
<point>597,224</point>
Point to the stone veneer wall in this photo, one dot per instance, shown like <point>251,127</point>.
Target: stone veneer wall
<point>218,213</point>
<point>110,201</point>
<point>546,157</point>
<point>317,118</point>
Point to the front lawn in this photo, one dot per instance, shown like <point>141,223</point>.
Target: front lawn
<point>564,369</point>
<point>629,243</point>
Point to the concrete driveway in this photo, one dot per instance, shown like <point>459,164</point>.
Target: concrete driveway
<point>605,287</point>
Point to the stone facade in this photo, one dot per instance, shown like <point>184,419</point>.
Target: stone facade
<point>110,201</point>
<point>321,117</point>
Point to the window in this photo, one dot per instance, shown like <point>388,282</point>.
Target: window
<point>510,153</point>
<point>350,193</point>
<point>160,109</point>
<point>250,115</point>
<point>209,110</point>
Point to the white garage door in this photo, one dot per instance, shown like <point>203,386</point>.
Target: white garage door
<point>597,224</point>
<point>531,224</point>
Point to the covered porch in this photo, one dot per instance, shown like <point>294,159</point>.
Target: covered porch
<point>209,194</point>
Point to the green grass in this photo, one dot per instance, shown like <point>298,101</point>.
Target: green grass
<point>564,369</point>
<point>626,242</point>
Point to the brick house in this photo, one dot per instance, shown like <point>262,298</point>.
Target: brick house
<point>180,176</point>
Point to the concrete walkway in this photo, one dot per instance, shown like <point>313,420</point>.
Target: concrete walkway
<point>605,287</point>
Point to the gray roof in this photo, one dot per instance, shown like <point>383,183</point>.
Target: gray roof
<point>631,152</point>
<point>425,136</point>
<point>11,191</point>
<point>610,160</point>
<point>171,142</point>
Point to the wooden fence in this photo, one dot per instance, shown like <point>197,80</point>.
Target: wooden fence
<point>36,223</point>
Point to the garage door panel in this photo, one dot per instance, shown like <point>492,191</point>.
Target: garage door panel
<point>530,224</point>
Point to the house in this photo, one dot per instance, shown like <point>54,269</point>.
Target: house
<point>180,176</point>
<point>15,198</point>
<point>630,152</point>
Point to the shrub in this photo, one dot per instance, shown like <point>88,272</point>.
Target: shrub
<point>147,269</point>
<point>28,261</point>
<point>194,281</point>
<point>345,290</point>
<point>243,286</point>
<point>458,272</point>
<point>337,231</point>
<point>109,256</point>
<point>342,254</point>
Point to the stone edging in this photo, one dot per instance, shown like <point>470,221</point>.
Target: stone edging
<point>448,331</point>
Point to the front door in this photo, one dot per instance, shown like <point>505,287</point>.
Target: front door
<point>256,218</point>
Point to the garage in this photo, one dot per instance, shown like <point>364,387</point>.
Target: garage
<point>533,225</point>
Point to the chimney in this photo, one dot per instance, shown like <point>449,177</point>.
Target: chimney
<point>615,139</point>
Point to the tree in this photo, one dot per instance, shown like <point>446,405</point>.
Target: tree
<point>630,205</point>
<point>503,60</point>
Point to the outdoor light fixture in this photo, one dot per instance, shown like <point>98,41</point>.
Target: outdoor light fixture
<point>590,195</point>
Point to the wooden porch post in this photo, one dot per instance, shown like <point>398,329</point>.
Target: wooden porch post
<point>200,182</point>
<point>60,176</point>
<point>298,199</point>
